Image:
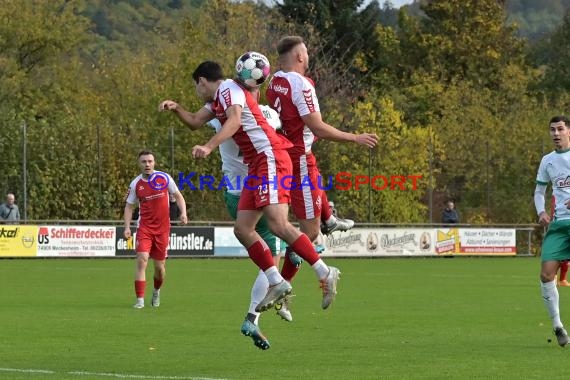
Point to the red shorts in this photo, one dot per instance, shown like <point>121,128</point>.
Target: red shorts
<point>155,244</point>
<point>306,195</point>
<point>266,177</point>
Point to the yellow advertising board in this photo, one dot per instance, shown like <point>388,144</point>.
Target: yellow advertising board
<point>18,240</point>
<point>476,241</point>
<point>447,241</point>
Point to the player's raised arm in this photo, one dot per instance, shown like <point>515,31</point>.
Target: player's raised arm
<point>228,130</point>
<point>192,120</point>
<point>325,131</point>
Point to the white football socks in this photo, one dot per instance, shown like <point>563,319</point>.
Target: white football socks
<point>273,276</point>
<point>258,292</point>
<point>321,269</point>
<point>331,221</point>
<point>551,301</point>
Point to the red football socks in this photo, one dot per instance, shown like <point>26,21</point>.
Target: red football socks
<point>139,288</point>
<point>260,255</point>
<point>304,248</point>
<point>157,283</point>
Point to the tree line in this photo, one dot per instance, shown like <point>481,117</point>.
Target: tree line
<point>454,91</point>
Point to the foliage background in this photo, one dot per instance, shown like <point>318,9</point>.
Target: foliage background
<point>459,91</point>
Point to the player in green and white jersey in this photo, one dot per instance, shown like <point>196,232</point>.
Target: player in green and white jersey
<point>555,169</point>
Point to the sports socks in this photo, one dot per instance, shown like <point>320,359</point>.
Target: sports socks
<point>252,318</point>
<point>326,211</point>
<point>261,255</point>
<point>304,248</point>
<point>258,292</point>
<point>551,301</point>
<point>288,270</point>
<point>273,276</point>
<point>157,283</point>
<point>139,288</point>
<point>321,269</point>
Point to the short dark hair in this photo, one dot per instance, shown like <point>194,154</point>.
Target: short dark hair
<point>287,43</point>
<point>210,70</point>
<point>145,152</point>
<point>559,118</point>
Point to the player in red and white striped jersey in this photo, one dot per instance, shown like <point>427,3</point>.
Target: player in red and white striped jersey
<point>235,171</point>
<point>293,96</point>
<point>268,162</point>
<point>151,191</point>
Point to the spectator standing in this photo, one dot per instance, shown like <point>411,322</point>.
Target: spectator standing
<point>449,214</point>
<point>9,212</point>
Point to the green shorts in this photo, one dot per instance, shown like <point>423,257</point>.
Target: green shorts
<point>276,245</point>
<point>556,243</point>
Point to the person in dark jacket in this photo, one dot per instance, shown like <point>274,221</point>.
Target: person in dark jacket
<point>450,214</point>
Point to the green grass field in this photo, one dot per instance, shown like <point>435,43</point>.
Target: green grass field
<point>393,319</point>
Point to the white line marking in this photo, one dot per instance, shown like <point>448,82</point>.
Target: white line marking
<point>116,375</point>
<point>26,370</point>
<point>127,376</point>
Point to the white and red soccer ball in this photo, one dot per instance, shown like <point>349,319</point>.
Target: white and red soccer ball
<point>253,69</point>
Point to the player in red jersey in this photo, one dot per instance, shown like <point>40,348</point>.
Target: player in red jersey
<point>151,191</point>
<point>264,151</point>
<point>293,96</point>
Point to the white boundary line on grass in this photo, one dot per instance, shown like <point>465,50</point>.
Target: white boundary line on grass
<point>126,376</point>
<point>116,375</point>
<point>26,370</point>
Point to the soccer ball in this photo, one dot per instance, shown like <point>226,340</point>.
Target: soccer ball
<point>253,69</point>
